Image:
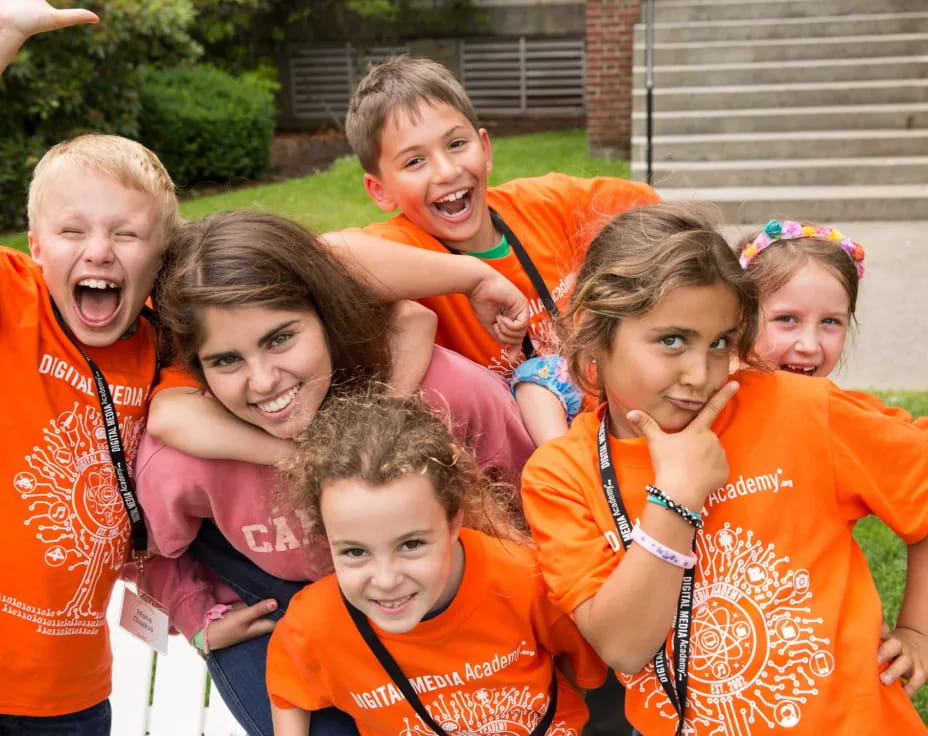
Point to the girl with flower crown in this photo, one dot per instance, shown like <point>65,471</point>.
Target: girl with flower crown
<point>808,278</point>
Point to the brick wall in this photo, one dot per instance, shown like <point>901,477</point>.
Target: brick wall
<point>609,33</point>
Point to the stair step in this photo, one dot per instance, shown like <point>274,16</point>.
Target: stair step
<point>681,10</point>
<point>882,170</point>
<point>785,72</point>
<point>909,116</point>
<point>800,94</point>
<point>831,47</point>
<point>784,28</point>
<point>815,204</point>
<point>788,144</point>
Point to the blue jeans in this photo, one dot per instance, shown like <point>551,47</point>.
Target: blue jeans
<point>94,721</point>
<point>238,671</point>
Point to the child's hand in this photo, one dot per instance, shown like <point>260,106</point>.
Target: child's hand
<point>28,17</point>
<point>906,650</point>
<point>688,464</point>
<point>501,308</point>
<point>241,623</point>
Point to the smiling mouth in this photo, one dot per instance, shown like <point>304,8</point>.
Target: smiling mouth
<point>453,204</point>
<point>280,402</point>
<point>394,603</point>
<point>97,301</point>
<point>803,370</point>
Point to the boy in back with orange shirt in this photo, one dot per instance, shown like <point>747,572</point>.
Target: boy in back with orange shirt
<point>416,133</point>
<point>99,208</point>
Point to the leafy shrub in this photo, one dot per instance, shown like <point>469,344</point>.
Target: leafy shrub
<point>83,79</point>
<point>205,124</point>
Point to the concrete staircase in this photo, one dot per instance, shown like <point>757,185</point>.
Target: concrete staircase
<point>810,109</point>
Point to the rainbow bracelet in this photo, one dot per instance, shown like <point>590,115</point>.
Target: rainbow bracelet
<point>650,544</point>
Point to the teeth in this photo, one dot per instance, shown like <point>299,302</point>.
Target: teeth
<point>281,402</point>
<point>396,603</point>
<point>97,284</point>
<point>453,196</point>
<point>805,370</point>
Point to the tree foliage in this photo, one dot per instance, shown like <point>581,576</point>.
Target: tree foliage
<point>83,79</point>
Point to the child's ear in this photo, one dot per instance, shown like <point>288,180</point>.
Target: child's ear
<point>487,148</point>
<point>457,521</point>
<point>35,250</point>
<point>378,193</point>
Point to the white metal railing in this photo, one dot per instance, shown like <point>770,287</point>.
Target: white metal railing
<point>163,695</point>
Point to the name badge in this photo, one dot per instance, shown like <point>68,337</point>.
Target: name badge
<point>145,619</point>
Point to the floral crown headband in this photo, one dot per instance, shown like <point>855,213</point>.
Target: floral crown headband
<point>792,230</point>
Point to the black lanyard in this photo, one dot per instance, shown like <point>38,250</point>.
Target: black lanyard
<point>114,442</point>
<point>402,682</point>
<point>531,271</point>
<point>676,691</point>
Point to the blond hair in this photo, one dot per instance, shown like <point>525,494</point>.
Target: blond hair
<point>376,438</point>
<point>126,161</point>
<point>400,84</point>
<point>639,258</point>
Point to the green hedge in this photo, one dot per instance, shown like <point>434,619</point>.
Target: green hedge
<point>82,79</point>
<point>206,125</point>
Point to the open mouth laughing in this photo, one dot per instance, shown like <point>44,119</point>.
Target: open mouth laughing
<point>97,301</point>
<point>454,205</point>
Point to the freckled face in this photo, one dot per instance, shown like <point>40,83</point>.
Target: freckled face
<point>671,360</point>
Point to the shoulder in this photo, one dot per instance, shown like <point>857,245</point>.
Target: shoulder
<point>561,459</point>
<point>19,274</point>
<point>317,607</point>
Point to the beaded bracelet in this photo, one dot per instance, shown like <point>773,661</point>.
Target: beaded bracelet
<point>657,549</point>
<point>656,495</point>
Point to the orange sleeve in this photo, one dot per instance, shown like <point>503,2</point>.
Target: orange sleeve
<point>591,203</point>
<point>922,423</point>
<point>880,465</point>
<point>174,376</point>
<point>896,412</point>
<point>292,665</point>
<point>574,555</point>
<point>558,634</point>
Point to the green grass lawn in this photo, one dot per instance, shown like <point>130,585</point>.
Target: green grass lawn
<point>336,199</point>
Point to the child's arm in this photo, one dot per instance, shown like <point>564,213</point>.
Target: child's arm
<point>411,341</point>
<point>397,271</point>
<point>906,648</point>
<point>542,413</point>
<point>289,721</point>
<point>546,397</point>
<point>20,19</point>
<point>628,618</point>
<point>189,421</point>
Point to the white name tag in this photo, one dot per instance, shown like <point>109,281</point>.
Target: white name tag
<point>145,619</point>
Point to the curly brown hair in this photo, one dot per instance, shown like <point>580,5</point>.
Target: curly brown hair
<point>376,438</point>
<point>641,256</point>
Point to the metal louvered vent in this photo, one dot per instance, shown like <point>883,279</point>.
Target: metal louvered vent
<point>525,76</point>
<point>507,77</point>
<point>323,77</point>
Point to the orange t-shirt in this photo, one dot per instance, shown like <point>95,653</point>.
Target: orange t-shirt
<point>483,662</point>
<point>786,618</point>
<point>555,218</point>
<point>65,529</point>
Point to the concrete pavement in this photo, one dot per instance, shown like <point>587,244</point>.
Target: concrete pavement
<point>890,347</point>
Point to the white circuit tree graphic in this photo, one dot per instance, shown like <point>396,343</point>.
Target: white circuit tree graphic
<point>85,530</point>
